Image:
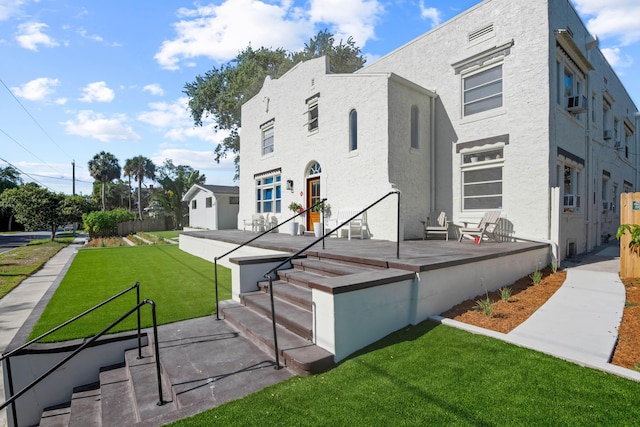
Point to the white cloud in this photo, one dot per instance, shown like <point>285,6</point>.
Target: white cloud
<point>90,124</point>
<point>430,13</point>
<point>356,18</point>
<point>176,120</point>
<point>30,35</point>
<point>616,19</point>
<point>97,92</point>
<point>615,57</point>
<point>37,89</point>
<point>154,89</point>
<point>10,8</point>
<point>221,31</point>
<point>83,33</point>
<point>196,159</point>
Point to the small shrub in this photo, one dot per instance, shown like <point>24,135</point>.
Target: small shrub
<point>554,265</point>
<point>630,304</point>
<point>505,293</point>
<point>485,306</point>
<point>536,276</point>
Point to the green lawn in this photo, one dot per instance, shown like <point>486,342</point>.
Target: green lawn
<point>181,285</point>
<point>172,234</point>
<point>19,263</point>
<point>437,375</point>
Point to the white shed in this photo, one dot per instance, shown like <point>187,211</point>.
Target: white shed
<point>213,207</point>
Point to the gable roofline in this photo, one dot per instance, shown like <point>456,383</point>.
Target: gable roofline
<point>212,189</point>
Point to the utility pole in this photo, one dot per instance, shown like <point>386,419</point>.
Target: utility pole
<point>73,169</point>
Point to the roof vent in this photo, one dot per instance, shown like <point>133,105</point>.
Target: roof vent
<point>480,33</point>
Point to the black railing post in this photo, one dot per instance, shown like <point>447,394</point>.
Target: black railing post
<point>137,285</point>
<point>156,347</point>
<point>398,229</point>
<point>215,272</point>
<point>14,413</point>
<point>273,321</point>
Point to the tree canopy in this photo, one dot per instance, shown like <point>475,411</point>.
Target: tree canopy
<point>139,167</point>
<point>175,182</point>
<point>104,167</point>
<point>220,93</point>
<point>38,208</point>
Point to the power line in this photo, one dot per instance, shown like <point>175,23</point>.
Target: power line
<point>24,173</point>
<point>25,149</point>
<point>32,118</point>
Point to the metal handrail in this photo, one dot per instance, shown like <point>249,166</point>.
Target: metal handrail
<point>215,260</point>
<point>268,275</point>
<point>7,355</point>
<point>88,343</point>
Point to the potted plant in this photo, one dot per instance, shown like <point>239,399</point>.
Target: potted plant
<point>325,208</point>
<point>293,225</point>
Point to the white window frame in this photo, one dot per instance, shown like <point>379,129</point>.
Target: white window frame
<point>570,181</point>
<point>487,160</point>
<point>208,202</point>
<point>467,77</point>
<point>268,138</point>
<point>313,115</point>
<point>269,194</point>
<point>353,130</point>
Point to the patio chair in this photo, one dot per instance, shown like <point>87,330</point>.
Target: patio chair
<point>486,228</point>
<point>256,223</point>
<point>437,224</point>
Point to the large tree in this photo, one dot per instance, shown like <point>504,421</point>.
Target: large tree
<point>175,182</point>
<point>38,208</point>
<point>104,167</point>
<point>9,178</point>
<point>220,93</point>
<point>140,167</point>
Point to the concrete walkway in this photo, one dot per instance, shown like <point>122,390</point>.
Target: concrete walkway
<point>18,304</point>
<point>579,323</point>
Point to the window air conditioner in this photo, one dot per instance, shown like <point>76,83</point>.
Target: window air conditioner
<point>607,134</point>
<point>570,201</point>
<point>617,145</point>
<point>577,104</point>
<point>606,206</point>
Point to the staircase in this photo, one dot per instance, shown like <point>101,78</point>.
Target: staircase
<point>294,315</point>
<point>192,362</point>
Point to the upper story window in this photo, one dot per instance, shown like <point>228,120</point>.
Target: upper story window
<point>482,91</point>
<point>415,129</point>
<point>194,204</point>
<point>267,138</point>
<point>312,113</point>
<point>353,130</point>
<point>208,202</point>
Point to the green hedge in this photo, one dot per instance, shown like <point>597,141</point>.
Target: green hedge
<point>105,223</point>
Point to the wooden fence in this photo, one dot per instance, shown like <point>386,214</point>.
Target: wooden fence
<point>155,224</point>
<point>629,214</point>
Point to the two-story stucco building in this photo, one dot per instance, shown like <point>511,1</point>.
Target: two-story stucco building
<point>508,106</point>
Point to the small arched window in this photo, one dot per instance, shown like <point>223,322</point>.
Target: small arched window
<point>315,169</point>
<point>353,130</point>
<point>415,129</point>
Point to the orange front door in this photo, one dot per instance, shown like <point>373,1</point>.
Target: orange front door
<point>313,197</point>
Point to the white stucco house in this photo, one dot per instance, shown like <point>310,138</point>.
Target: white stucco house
<point>213,207</point>
<point>509,106</point>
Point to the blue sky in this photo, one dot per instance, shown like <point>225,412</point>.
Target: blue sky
<point>80,77</point>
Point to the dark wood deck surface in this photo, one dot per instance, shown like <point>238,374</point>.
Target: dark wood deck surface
<point>415,255</point>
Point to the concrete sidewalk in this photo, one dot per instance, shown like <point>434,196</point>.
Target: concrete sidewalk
<point>18,304</point>
<point>580,322</point>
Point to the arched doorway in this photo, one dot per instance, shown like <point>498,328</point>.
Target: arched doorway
<point>313,193</point>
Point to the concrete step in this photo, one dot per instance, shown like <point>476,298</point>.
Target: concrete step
<point>292,317</point>
<point>86,410</point>
<point>298,354</point>
<point>56,416</point>
<point>292,293</point>
<point>118,408</point>
<point>330,267</point>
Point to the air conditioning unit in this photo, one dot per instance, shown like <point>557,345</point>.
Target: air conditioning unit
<point>570,201</point>
<point>607,134</point>
<point>607,206</point>
<point>618,145</point>
<point>577,104</point>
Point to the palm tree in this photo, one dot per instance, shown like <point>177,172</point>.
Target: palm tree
<point>104,167</point>
<point>140,167</point>
<point>175,182</point>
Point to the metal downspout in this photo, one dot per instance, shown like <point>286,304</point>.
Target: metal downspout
<point>432,154</point>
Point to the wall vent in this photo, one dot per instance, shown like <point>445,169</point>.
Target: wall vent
<point>571,249</point>
<point>480,33</point>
